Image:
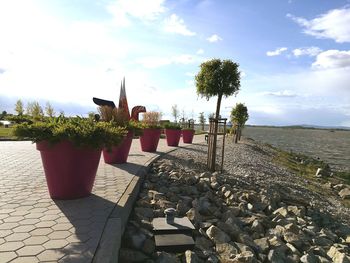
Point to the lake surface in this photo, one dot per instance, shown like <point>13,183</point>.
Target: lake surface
<point>331,147</point>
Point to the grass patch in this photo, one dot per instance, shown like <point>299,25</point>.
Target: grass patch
<point>6,133</point>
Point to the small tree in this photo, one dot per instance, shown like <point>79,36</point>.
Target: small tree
<point>175,112</point>
<point>49,110</point>
<point>3,115</point>
<point>19,107</point>
<point>217,78</point>
<point>201,120</point>
<point>35,110</point>
<point>239,116</point>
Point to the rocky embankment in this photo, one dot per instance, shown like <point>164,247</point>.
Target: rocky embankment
<point>255,211</point>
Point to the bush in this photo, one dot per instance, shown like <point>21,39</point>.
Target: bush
<point>151,120</point>
<point>81,132</point>
<point>172,126</point>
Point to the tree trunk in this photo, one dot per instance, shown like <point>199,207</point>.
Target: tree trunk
<point>212,163</point>
<point>239,134</point>
<point>236,135</point>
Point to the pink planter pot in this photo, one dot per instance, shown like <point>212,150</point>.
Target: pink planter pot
<point>119,154</point>
<point>149,140</point>
<point>172,137</point>
<point>187,136</point>
<point>70,171</point>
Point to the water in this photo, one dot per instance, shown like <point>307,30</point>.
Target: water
<point>331,147</point>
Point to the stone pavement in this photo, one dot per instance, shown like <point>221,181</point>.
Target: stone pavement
<point>35,228</point>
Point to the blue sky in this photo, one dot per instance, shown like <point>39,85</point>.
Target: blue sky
<point>294,55</point>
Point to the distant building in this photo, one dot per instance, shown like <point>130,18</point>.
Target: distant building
<point>6,124</point>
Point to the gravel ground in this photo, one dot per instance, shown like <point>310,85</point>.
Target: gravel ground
<point>249,165</point>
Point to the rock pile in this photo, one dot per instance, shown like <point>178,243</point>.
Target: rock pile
<point>233,223</point>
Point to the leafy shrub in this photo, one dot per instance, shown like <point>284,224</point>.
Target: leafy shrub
<point>81,132</point>
<point>151,120</point>
<point>172,126</point>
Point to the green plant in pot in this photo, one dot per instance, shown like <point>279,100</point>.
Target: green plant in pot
<point>151,131</point>
<point>173,133</point>
<point>118,153</point>
<point>187,135</point>
<point>70,150</point>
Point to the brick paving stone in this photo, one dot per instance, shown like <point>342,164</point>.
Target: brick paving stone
<point>43,224</point>
<point>51,255</point>
<point>55,243</point>
<point>36,240</point>
<point>25,260</point>
<point>8,256</point>
<point>41,231</point>
<point>59,234</point>
<point>11,246</point>
<point>62,226</point>
<point>17,237</point>
<point>29,221</point>
<point>30,250</point>
<point>5,233</point>
<point>24,228</point>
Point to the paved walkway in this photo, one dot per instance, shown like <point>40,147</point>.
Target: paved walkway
<point>35,228</point>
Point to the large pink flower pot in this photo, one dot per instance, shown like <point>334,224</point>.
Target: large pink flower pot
<point>70,171</point>
<point>119,154</point>
<point>172,137</point>
<point>149,140</point>
<point>187,136</point>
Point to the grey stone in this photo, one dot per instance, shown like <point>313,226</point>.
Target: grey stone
<point>337,255</point>
<point>130,255</point>
<point>164,257</point>
<point>144,212</point>
<point>257,227</point>
<point>203,243</point>
<point>246,257</point>
<point>194,215</point>
<point>281,211</point>
<point>217,236</point>
<point>345,193</point>
<point>226,250</point>
<point>322,241</point>
<point>148,246</point>
<point>309,258</point>
<point>191,257</point>
<point>276,256</point>
<point>263,244</point>
<point>231,229</point>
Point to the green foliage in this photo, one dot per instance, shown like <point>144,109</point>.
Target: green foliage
<point>19,107</point>
<point>49,110</point>
<point>3,115</point>
<point>35,111</point>
<point>20,119</point>
<point>81,132</point>
<point>136,127</point>
<point>239,114</point>
<point>187,129</point>
<point>218,77</point>
<point>172,126</point>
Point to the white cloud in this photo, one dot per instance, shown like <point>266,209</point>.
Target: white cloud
<point>281,93</point>
<point>200,51</point>
<point>276,52</point>
<point>332,59</point>
<point>143,10</point>
<point>190,74</point>
<point>175,24</point>
<point>214,38</point>
<point>156,62</point>
<point>307,51</point>
<point>333,24</point>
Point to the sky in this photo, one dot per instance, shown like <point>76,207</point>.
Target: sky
<point>294,55</point>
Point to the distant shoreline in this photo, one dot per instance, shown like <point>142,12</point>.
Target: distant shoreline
<point>302,127</point>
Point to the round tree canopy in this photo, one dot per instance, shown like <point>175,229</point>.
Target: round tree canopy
<point>218,77</point>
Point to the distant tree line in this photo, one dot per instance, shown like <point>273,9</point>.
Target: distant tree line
<point>32,112</point>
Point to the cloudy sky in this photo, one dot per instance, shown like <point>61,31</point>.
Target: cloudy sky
<point>294,55</point>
